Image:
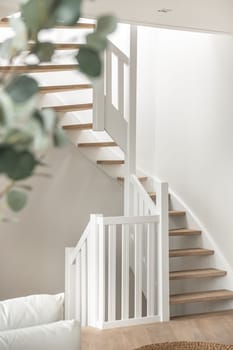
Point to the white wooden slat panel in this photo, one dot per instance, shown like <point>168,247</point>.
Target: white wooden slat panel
<point>78,287</point>
<point>109,76</point>
<point>102,274</point>
<point>151,270</point>
<point>141,205</point>
<point>99,103</point>
<point>84,284</point>
<point>125,273</point>
<point>118,52</point>
<point>138,271</point>
<point>121,87</point>
<point>112,273</point>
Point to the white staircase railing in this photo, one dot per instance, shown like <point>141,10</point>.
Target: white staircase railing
<point>142,204</point>
<point>101,290</point>
<point>111,96</point>
<point>118,274</point>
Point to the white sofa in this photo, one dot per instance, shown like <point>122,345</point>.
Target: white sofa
<point>37,323</point>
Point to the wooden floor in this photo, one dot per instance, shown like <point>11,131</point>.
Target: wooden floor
<point>217,329</point>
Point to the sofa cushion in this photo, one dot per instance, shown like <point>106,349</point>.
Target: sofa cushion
<point>63,335</point>
<point>31,311</point>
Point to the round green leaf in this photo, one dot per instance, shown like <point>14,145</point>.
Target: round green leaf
<point>89,61</point>
<point>17,165</point>
<point>106,25</point>
<point>22,88</point>
<point>60,138</point>
<point>44,51</point>
<point>36,15</point>
<point>66,12</point>
<point>16,200</point>
<point>2,116</point>
<point>96,41</point>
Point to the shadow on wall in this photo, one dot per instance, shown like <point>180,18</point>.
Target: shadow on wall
<point>32,251</point>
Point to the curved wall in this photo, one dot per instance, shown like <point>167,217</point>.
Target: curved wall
<point>191,143</point>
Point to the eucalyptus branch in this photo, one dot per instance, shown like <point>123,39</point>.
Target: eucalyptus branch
<point>7,189</point>
<point>26,131</point>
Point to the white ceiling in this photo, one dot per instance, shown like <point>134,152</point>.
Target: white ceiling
<point>204,15</point>
<point>8,7</point>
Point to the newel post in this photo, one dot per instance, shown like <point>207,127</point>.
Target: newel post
<point>130,157</point>
<point>163,254</point>
<point>99,100</point>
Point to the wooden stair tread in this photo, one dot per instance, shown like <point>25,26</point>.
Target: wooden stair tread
<point>173,253</point>
<point>61,88</point>
<point>78,26</point>
<point>110,162</point>
<point>71,108</point>
<point>152,195</point>
<point>97,144</point>
<point>4,22</point>
<point>67,46</point>
<point>197,273</point>
<point>61,46</point>
<point>43,68</point>
<point>203,314</point>
<point>213,295</point>
<point>140,178</point>
<point>176,213</point>
<point>184,232</point>
<point>77,126</point>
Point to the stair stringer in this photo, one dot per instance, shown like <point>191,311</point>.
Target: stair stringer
<point>94,154</point>
<point>205,240</point>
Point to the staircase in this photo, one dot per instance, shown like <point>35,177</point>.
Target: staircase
<point>101,131</point>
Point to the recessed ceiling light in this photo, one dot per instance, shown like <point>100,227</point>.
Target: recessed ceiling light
<point>164,10</point>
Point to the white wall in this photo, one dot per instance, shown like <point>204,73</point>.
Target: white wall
<point>32,251</point>
<point>192,121</point>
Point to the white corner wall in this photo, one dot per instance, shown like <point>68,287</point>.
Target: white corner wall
<point>32,251</point>
<point>189,123</point>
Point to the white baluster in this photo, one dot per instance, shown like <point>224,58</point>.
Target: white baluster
<point>78,282</point>
<point>109,76</point>
<point>121,86</point>
<point>101,273</point>
<point>151,270</point>
<point>111,272</point>
<point>84,284</point>
<point>141,205</point>
<point>138,271</point>
<point>125,273</point>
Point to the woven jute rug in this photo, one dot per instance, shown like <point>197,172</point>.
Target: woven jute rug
<point>186,346</point>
